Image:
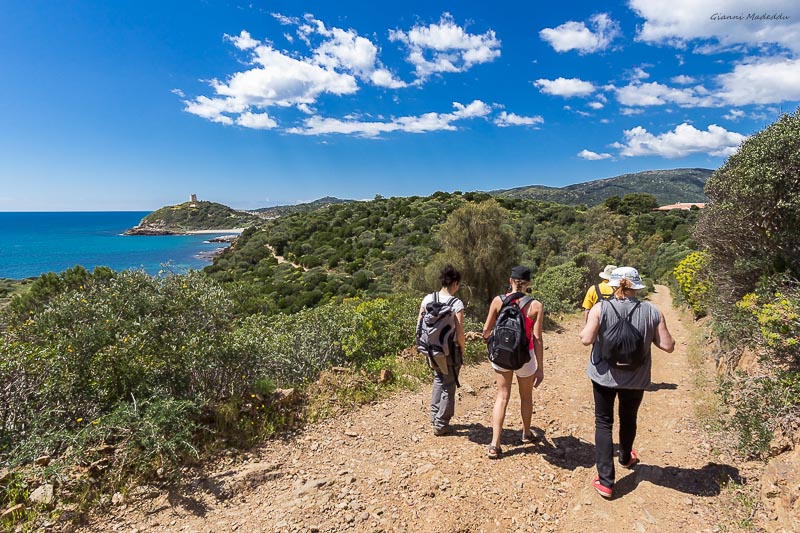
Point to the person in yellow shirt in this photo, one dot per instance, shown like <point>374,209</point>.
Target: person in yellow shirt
<point>598,291</point>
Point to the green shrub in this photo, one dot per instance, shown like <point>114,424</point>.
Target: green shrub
<point>561,288</point>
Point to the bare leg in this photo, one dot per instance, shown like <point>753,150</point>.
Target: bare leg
<point>526,401</point>
<point>504,380</point>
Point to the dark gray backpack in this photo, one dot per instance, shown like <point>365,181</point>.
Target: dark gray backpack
<point>622,345</point>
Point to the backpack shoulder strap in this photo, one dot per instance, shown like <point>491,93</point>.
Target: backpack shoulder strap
<point>612,308</point>
<point>511,297</point>
<point>450,301</point>
<point>436,296</point>
<point>635,307</point>
<point>525,301</point>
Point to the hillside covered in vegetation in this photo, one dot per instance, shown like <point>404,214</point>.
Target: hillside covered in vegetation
<point>192,216</point>
<point>668,186</point>
<point>280,210</point>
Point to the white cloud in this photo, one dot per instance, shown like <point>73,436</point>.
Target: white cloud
<point>577,36</point>
<point>639,74</point>
<point>565,87</point>
<point>725,24</point>
<point>596,105</point>
<point>384,78</point>
<point>766,81</point>
<point>734,114</point>
<point>335,66</point>
<point>684,140</point>
<point>654,93</point>
<point>593,156</point>
<point>629,111</point>
<point>257,121</point>
<point>683,79</point>
<point>410,124</point>
<point>178,92</point>
<point>512,119</point>
<point>243,41</point>
<point>446,47</point>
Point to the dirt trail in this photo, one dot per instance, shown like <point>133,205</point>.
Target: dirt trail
<point>380,468</point>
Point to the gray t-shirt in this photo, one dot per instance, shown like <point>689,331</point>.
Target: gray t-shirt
<point>646,319</point>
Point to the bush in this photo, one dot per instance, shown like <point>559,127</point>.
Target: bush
<point>694,286</point>
<point>561,288</point>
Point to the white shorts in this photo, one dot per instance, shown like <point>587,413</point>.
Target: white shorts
<point>527,370</point>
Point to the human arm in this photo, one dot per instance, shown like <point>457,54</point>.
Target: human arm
<point>589,332</point>
<point>536,313</point>
<point>491,317</point>
<point>461,339</point>
<point>588,302</point>
<point>663,338</point>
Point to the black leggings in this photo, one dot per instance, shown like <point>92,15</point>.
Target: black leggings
<point>629,402</point>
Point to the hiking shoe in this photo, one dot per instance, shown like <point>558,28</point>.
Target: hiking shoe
<point>601,489</point>
<point>494,452</point>
<point>634,460</point>
<point>444,430</point>
<point>529,437</point>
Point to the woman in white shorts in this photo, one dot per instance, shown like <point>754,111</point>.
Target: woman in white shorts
<point>530,375</point>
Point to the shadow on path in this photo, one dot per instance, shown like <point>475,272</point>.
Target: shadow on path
<point>706,481</point>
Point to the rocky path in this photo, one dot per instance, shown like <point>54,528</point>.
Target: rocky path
<point>380,468</point>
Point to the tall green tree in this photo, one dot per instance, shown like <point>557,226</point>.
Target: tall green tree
<point>479,240</point>
<point>750,225</point>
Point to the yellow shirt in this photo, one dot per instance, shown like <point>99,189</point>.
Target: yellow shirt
<point>591,294</point>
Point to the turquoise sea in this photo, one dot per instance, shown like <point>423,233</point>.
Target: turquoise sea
<point>34,243</point>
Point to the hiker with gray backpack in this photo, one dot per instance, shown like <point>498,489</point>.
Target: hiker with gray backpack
<point>440,337</point>
<point>621,331</point>
<point>513,335</point>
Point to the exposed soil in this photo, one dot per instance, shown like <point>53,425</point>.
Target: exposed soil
<point>381,469</point>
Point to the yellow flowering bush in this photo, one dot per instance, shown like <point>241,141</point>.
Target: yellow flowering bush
<point>694,286</point>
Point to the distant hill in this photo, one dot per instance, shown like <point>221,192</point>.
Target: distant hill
<point>668,186</point>
<point>282,210</point>
<point>192,216</point>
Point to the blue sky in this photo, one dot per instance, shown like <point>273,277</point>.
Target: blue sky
<point>134,105</point>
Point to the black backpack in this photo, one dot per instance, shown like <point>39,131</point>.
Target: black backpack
<point>508,344</point>
<point>600,295</point>
<point>622,345</point>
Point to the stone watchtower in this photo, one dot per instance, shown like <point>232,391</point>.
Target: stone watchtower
<point>193,200</point>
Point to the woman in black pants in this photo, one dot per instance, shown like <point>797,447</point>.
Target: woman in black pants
<point>611,381</point>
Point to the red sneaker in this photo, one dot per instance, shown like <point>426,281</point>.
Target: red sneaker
<point>632,461</point>
<point>601,489</point>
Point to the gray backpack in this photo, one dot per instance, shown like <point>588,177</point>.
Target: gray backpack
<point>437,328</point>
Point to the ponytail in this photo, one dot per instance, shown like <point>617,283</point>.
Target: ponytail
<point>624,284</point>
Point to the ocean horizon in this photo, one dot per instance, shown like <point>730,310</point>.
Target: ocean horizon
<point>36,242</point>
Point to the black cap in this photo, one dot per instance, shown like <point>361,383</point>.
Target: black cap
<point>521,273</point>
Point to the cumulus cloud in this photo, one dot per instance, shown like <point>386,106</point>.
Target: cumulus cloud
<point>446,47</point>
<point>734,114</point>
<point>593,156</point>
<point>505,119</point>
<point>596,105</point>
<point>577,36</point>
<point>338,60</point>
<point>722,25</point>
<point>766,81</point>
<point>684,140</point>
<point>258,121</point>
<point>654,93</point>
<point>683,79</point>
<point>411,124</point>
<point>565,87</point>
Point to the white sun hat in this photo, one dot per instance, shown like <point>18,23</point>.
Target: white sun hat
<point>629,273</point>
<point>606,273</point>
